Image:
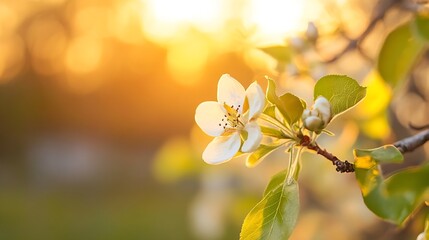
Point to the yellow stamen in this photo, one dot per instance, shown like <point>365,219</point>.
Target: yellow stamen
<point>232,117</point>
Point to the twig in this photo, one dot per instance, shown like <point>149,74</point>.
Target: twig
<point>410,143</point>
<point>380,11</point>
<point>405,145</point>
<point>341,166</point>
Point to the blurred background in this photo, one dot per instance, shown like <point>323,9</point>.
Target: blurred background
<point>97,101</point>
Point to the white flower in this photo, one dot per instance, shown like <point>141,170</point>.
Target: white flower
<point>319,116</point>
<point>230,119</point>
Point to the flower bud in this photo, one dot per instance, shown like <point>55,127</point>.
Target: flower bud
<point>306,114</point>
<point>323,106</point>
<point>319,116</point>
<point>313,123</point>
<point>312,33</point>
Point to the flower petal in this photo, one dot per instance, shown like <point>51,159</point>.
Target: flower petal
<point>231,92</point>
<point>313,123</point>
<point>222,149</point>
<point>324,107</point>
<point>256,99</point>
<point>254,137</point>
<point>306,113</point>
<point>208,116</point>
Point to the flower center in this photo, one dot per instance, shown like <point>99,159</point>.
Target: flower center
<point>231,119</point>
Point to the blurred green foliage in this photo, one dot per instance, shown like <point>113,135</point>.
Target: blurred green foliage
<point>397,196</point>
<point>402,48</point>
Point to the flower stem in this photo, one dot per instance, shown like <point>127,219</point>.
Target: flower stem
<point>290,163</point>
<point>278,124</point>
<point>340,165</point>
<point>293,168</point>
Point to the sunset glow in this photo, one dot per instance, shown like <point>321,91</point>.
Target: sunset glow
<point>276,19</point>
<point>272,19</point>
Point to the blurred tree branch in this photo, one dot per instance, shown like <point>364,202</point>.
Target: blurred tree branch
<point>410,143</point>
<point>382,7</point>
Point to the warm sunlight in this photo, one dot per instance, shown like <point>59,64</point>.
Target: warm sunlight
<point>273,19</point>
<point>165,18</point>
<point>111,109</point>
<point>276,19</point>
<point>187,60</point>
<point>83,54</point>
<point>166,22</point>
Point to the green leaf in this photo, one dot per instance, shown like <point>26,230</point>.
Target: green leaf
<point>421,24</point>
<point>384,154</point>
<point>270,111</point>
<point>342,92</point>
<point>289,105</point>
<point>272,132</point>
<point>261,152</point>
<point>399,53</point>
<point>397,196</point>
<point>275,181</point>
<point>274,217</point>
<point>271,91</point>
<point>280,53</point>
<point>294,106</point>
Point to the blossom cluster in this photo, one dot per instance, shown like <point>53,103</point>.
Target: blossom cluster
<point>237,119</point>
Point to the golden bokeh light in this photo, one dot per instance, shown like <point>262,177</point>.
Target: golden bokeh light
<point>84,54</point>
<point>11,44</point>
<point>47,40</point>
<point>11,57</point>
<point>8,19</point>
<point>98,17</point>
<point>187,60</point>
<point>125,22</point>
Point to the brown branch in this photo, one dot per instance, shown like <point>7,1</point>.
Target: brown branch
<point>410,143</point>
<point>341,166</point>
<point>405,145</point>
